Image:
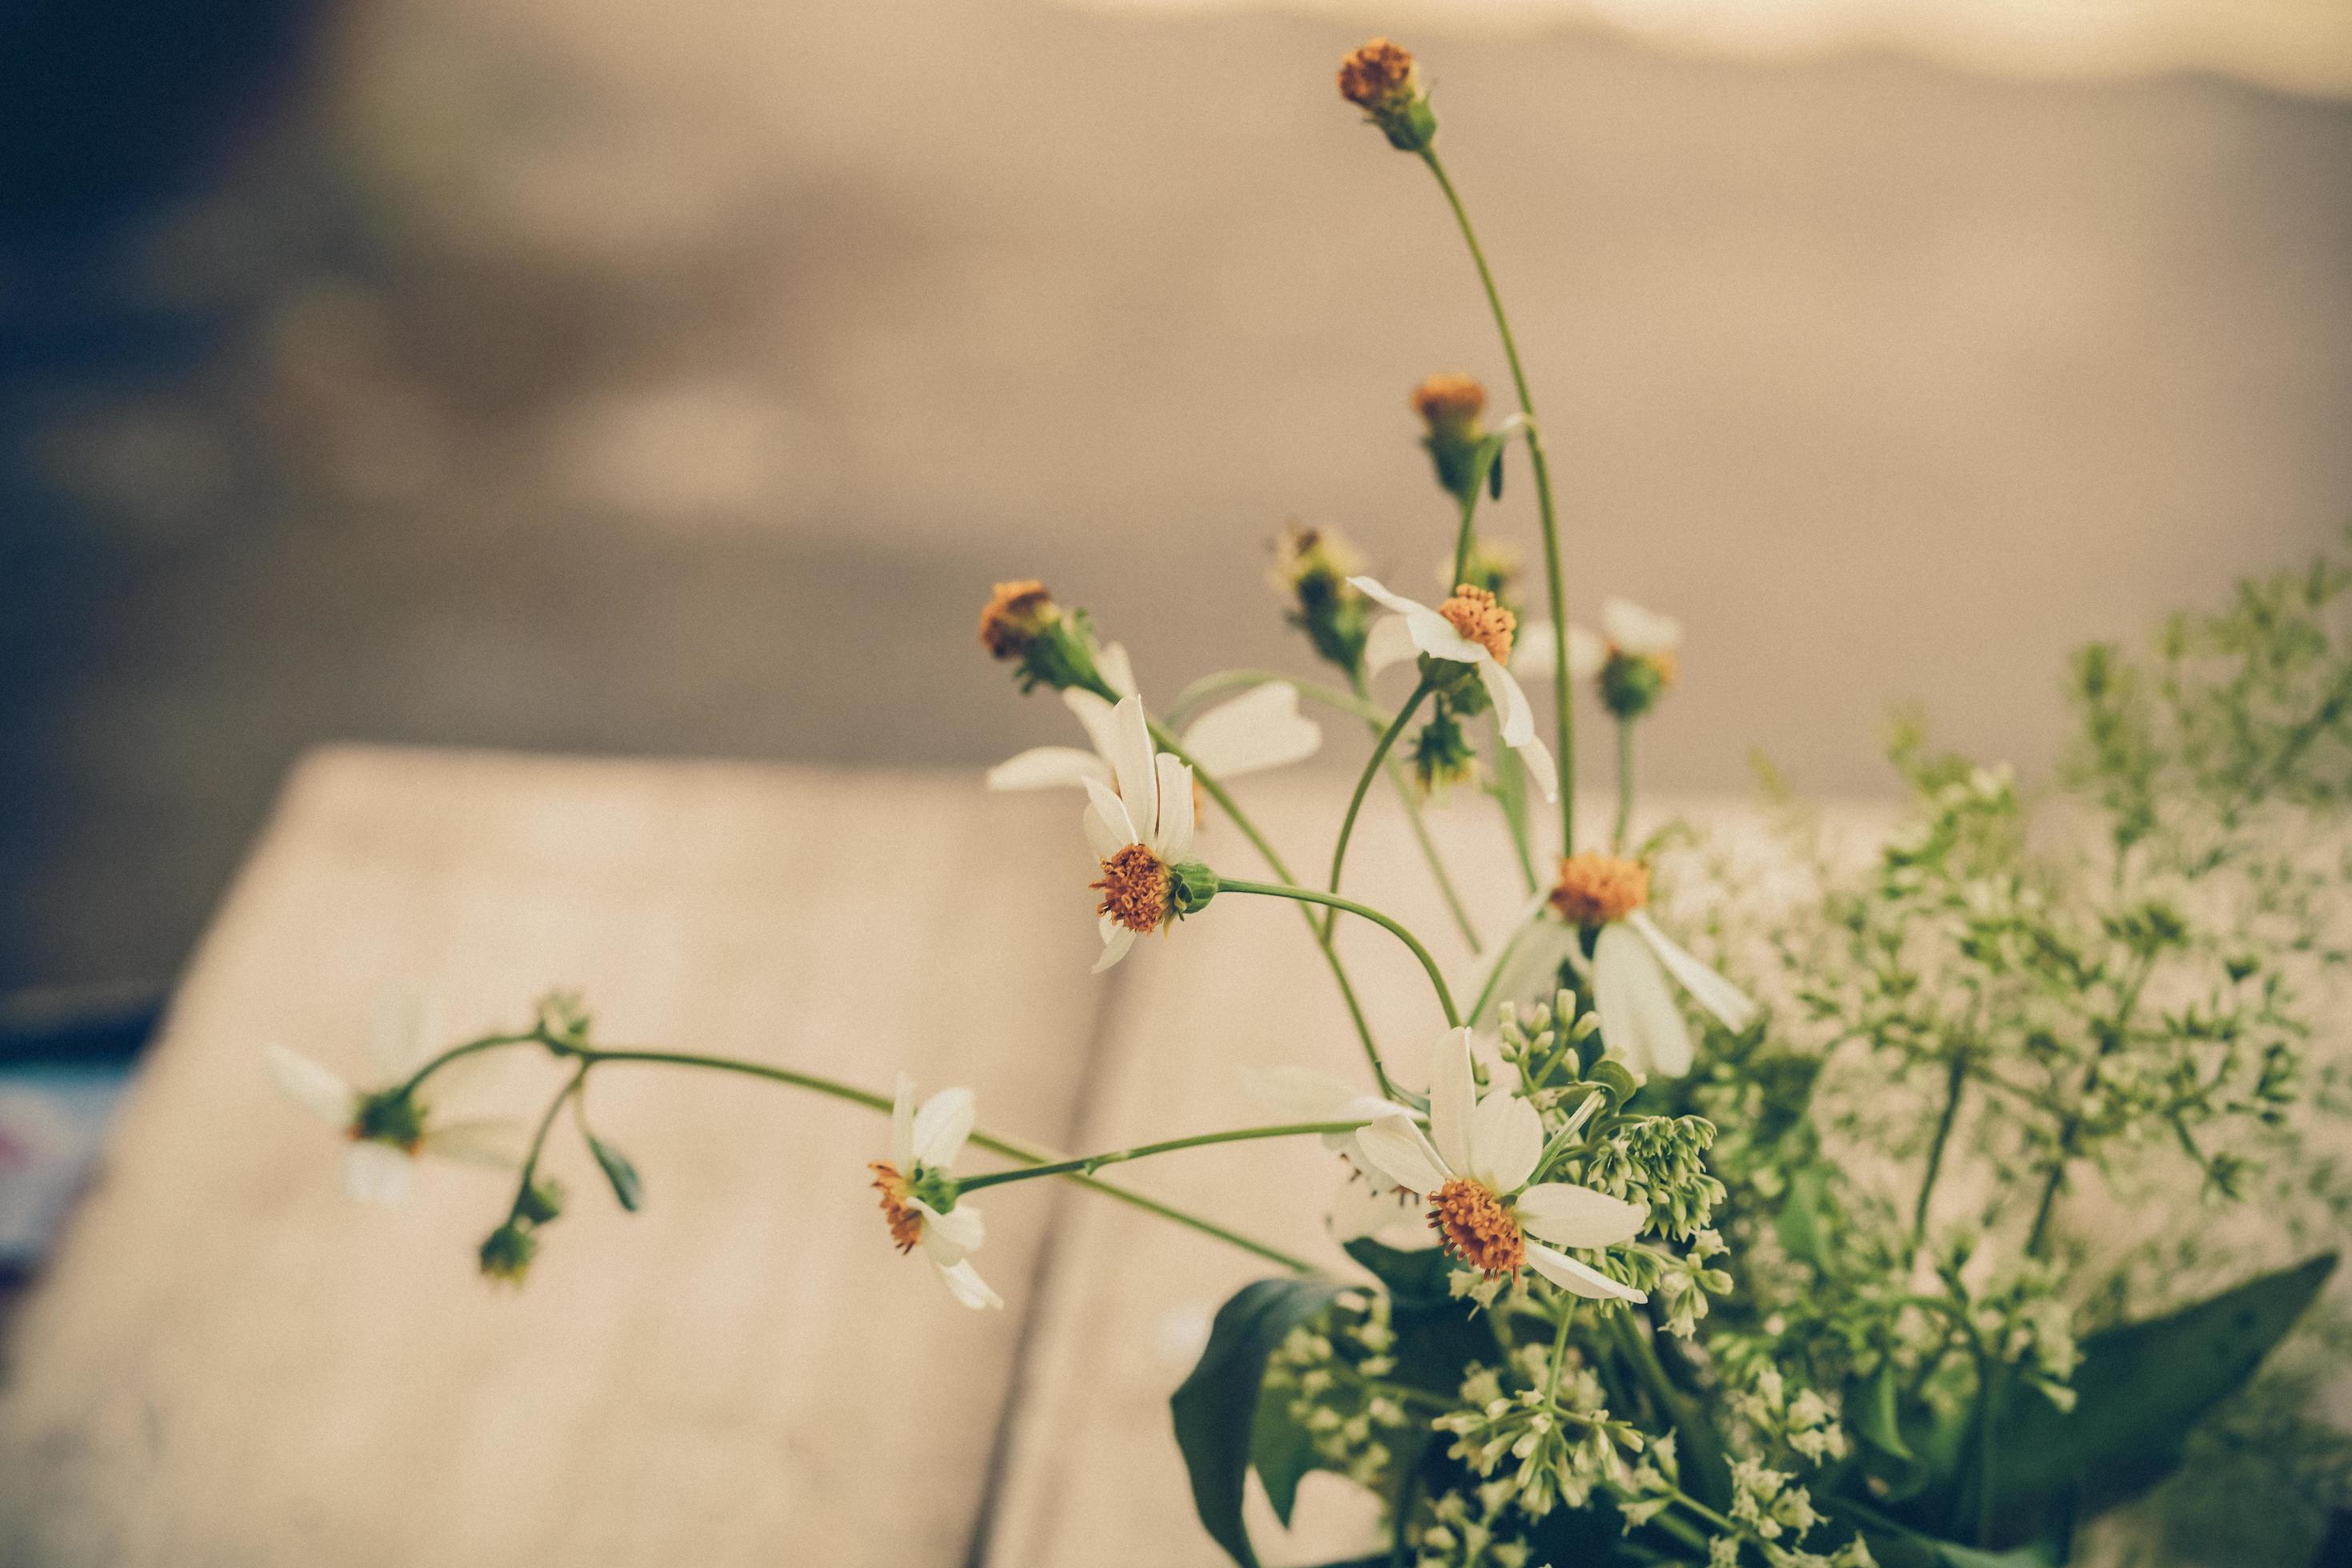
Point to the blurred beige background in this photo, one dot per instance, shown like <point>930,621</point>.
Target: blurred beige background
<point>608,375</point>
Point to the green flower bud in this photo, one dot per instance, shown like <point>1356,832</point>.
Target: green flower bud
<point>507,1253</point>
<point>1382,80</point>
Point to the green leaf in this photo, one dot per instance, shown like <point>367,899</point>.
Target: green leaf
<point>1281,1452</point>
<point>1216,1408</point>
<point>617,1170</point>
<point>1416,1279</point>
<point>2140,1387</point>
<point>1802,1222</point>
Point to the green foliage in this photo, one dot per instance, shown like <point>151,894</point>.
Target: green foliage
<point>618,1171</point>
<point>1216,1408</point>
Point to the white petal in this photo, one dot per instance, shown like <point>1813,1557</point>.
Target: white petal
<point>1302,1094</point>
<point>1171,836</point>
<point>1094,714</point>
<point>1578,1278</point>
<point>1362,1208</point>
<point>491,1141</point>
<point>1389,642</point>
<point>941,1126</point>
<point>948,1236</point>
<point>1048,767</point>
<point>1395,1146</point>
<point>1639,1019</point>
<point>1111,663</point>
<point>965,1283</point>
<point>902,1125</point>
<point>1537,757</point>
<point>1587,652</point>
<point>1116,942</point>
<point>1108,821</point>
<point>1731,1005</point>
<point>1453,1098</point>
<point>1506,1142</point>
<point>1528,957</point>
<point>403,1028</point>
<point>1511,709</point>
<point>1371,588</point>
<point>1130,759</point>
<point>1570,1216</point>
<point>377,1172</point>
<point>1259,730</point>
<point>313,1086</point>
<point>1637,630</point>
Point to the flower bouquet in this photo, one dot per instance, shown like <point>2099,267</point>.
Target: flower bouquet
<point>1926,1206</point>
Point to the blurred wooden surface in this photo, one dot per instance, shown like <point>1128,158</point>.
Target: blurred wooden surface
<point>232,1363</point>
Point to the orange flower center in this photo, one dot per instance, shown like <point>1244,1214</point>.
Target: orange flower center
<point>1474,613</point>
<point>1376,75</point>
<point>1448,399</point>
<point>1594,889</point>
<point>906,1220</point>
<point>1012,618</point>
<point>1134,887</point>
<point>1476,1228</point>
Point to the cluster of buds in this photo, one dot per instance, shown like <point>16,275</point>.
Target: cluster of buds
<point>1046,645</point>
<point>1311,568</point>
<point>1466,456</point>
<point>1382,80</point>
<point>507,1252</point>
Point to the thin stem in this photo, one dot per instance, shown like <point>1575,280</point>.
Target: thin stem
<point>1216,792</point>
<point>1510,789</point>
<point>995,1143</point>
<point>1559,1349</point>
<point>1466,534</point>
<point>1698,1438</point>
<point>1308,896</point>
<point>2070,1133</point>
<point>1495,973</point>
<point>1563,718</point>
<point>539,1140</point>
<point>1360,705</point>
<point>1624,785</point>
<point>1989,1391</point>
<point>1088,1164</point>
<point>416,1080</point>
<point>1712,1517</point>
<point>1407,798</point>
<point>1363,786</point>
<point>1956,1083</point>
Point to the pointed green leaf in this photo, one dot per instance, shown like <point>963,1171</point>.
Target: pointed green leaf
<point>619,1171</point>
<point>1216,1408</point>
<point>1281,1452</point>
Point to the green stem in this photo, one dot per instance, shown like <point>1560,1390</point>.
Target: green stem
<point>1216,792</point>
<point>1700,1445</point>
<point>1308,896</point>
<point>1562,716</point>
<point>1956,1082</point>
<point>1411,800</point>
<point>1363,786</point>
<point>995,1143</point>
<point>2070,1132</point>
<point>1624,785</point>
<point>1989,1391</point>
<point>1088,1164</point>
<point>1559,1349</point>
<point>416,1080</point>
<point>539,1140</point>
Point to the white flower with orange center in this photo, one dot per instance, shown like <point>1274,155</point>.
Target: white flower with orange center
<point>918,1193</point>
<point>1628,632</point>
<point>1474,1167</point>
<point>1140,831</point>
<point>389,1129</point>
<point>1632,958</point>
<point>1468,628</point>
<point>1261,728</point>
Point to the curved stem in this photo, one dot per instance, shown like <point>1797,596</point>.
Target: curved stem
<point>1562,715</point>
<point>539,1140</point>
<point>995,1143</point>
<point>1413,815</point>
<point>1088,1164</point>
<point>416,1080</point>
<point>1360,705</point>
<point>1167,743</point>
<point>1363,786</point>
<point>1308,896</point>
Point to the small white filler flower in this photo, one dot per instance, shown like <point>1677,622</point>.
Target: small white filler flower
<point>388,1130</point>
<point>918,1178</point>
<point>1473,1167</point>
<point>1469,629</point>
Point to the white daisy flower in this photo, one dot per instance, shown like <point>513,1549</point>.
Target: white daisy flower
<point>1261,728</point>
<point>1640,1020</point>
<point>1368,1202</point>
<point>924,1144</point>
<point>388,1130</point>
<point>1139,830</point>
<point>1627,631</point>
<point>1473,1167</point>
<point>1468,628</point>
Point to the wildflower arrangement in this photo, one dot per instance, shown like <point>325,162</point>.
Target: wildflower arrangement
<point>1950,1203</point>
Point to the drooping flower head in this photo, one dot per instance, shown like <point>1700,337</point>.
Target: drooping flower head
<point>918,1185</point>
<point>1022,625</point>
<point>1449,406</point>
<point>1474,1167</point>
<point>1311,568</point>
<point>1383,80</point>
<point>1594,889</point>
